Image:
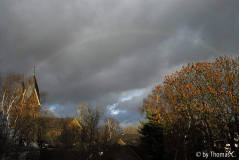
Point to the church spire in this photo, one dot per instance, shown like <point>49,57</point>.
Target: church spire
<point>34,71</point>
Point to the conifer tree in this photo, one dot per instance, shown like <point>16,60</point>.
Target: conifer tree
<point>152,138</point>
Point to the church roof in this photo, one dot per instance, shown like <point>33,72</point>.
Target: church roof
<point>19,91</point>
<point>31,86</point>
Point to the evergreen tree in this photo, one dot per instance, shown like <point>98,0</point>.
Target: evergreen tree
<point>152,139</point>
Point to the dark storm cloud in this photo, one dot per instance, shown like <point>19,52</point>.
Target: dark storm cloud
<point>100,50</point>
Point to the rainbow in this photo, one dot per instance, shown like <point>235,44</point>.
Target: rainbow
<point>89,39</point>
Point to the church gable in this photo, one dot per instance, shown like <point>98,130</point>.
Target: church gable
<point>27,101</point>
<point>33,105</point>
<point>32,88</point>
<point>34,99</point>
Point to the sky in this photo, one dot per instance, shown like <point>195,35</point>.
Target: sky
<point>111,52</point>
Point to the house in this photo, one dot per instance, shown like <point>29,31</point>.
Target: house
<point>127,139</point>
<point>123,147</point>
<point>120,142</point>
<point>58,125</point>
<point>63,130</point>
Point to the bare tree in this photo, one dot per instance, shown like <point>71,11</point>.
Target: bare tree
<point>131,129</point>
<point>21,128</point>
<point>112,126</point>
<point>42,126</point>
<point>42,98</point>
<point>8,94</point>
<point>8,91</point>
<point>89,118</point>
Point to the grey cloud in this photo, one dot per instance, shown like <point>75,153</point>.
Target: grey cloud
<point>97,50</point>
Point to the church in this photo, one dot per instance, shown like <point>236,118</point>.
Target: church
<point>27,101</point>
<point>26,108</point>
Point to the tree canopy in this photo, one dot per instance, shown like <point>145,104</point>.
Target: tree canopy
<point>201,98</point>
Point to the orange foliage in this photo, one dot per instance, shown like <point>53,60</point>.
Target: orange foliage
<point>205,88</point>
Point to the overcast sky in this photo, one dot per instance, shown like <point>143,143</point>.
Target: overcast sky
<point>111,52</point>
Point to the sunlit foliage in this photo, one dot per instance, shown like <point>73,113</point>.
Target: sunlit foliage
<point>201,97</point>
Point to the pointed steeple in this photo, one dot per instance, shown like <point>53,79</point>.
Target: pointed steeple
<point>32,84</point>
<point>34,71</point>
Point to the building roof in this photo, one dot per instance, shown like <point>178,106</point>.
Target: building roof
<point>126,138</point>
<point>59,123</point>
<point>19,91</point>
<point>31,86</point>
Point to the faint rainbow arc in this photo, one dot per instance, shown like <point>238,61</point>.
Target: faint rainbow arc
<point>115,33</point>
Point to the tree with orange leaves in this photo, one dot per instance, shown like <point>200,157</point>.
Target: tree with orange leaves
<point>199,103</point>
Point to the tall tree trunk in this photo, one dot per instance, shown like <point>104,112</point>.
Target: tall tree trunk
<point>231,133</point>
<point>210,135</point>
